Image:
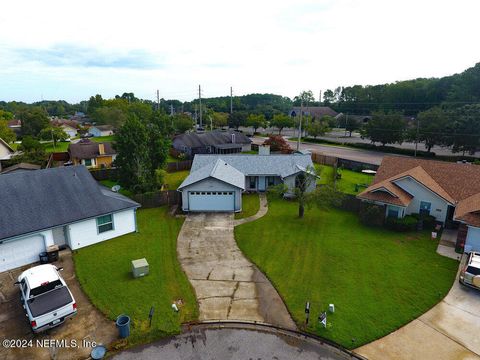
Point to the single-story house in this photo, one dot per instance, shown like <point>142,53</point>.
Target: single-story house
<point>450,192</point>
<point>101,130</point>
<point>20,167</point>
<point>216,182</point>
<point>212,142</point>
<point>6,152</point>
<point>316,112</point>
<point>69,126</point>
<point>58,206</point>
<point>92,154</point>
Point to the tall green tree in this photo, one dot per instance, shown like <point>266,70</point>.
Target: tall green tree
<point>237,119</point>
<point>109,115</point>
<point>317,128</point>
<point>33,121</point>
<point>432,128</point>
<point>385,128</point>
<point>54,133</point>
<point>255,121</point>
<point>219,119</point>
<point>6,134</point>
<point>306,97</point>
<point>182,123</point>
<point>281,121</point>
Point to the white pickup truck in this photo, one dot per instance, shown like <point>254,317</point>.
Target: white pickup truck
<point>45,297</point>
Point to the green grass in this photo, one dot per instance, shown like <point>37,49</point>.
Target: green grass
<point>348,180</point>
<point>378,280</point>
<point>111,183</point>
<point>110,138</point>
<point>250,206</point>
<point>252,152</point>
<point>174,179</point>
<point>104,272</point>
<point>61,146</point>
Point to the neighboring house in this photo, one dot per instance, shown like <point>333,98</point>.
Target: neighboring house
<point>6,152</point>
<point>450,192</point>
<point>92,154</point>
<point>16,126</point>
<point>20,167</point>
<point>316,112</point>
<point>101,130</point>
<point>59,206</point>
<point>216,182</point>
<point>69,126</point>
<point>212,142</point>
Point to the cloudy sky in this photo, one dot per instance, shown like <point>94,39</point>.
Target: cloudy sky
<point>73,49</point>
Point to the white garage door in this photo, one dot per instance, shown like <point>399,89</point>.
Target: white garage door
<point>211,200</point>
<point>20,252</point>
<point>472,242</point>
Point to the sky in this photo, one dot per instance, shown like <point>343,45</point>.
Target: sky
<point>73,49</point>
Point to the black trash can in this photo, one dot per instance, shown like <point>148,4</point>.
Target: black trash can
<point>43,258</point>
<point>123,326</point>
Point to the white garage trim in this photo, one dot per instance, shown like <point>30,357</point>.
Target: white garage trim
<point>211,201</point>
<point>21,252</point>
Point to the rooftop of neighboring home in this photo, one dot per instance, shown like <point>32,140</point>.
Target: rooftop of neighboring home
<point>73,195</point>
<point>315,111</point>
<point>7,151</point>
<point>14,123</point>
<point>20,167</point>
<point>59,122</point>
<point>212,138</point>
<point>456,183</point>
<point>104,127</point>
<point>88,149</point>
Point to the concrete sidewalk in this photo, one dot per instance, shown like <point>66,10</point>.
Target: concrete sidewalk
<point>227,285</point>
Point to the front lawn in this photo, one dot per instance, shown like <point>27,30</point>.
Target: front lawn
<point>378,280</point>
<point>174,179</point>
<point>61,146</point>
<point>348,181</point>
<point>104,272</point>
<point>250,206</point>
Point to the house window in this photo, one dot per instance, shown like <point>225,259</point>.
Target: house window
<point>270,180</point>
<point>104,223</point>
<point>88,162</point>
<point>392,212</point>
<point>253,182</point>
<point>425,207</point>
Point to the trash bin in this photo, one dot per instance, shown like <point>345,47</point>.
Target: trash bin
<point>43,258</point>
<point>52,253</point>
<point>123,326</point>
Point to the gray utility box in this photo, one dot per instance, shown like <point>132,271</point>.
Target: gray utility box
<point>139,267</point>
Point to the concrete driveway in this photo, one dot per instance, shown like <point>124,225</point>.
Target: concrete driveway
<point>88,325</point>
<point>450,330</point>
<point>227,285</point>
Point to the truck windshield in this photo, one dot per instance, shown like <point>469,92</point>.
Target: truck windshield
<point>45,288</point>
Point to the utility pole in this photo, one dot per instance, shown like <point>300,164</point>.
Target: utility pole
<point>200,103</point>
<point>231,100</point>
<point>171,110</point>
<point>158,100</point>
<point>300,126</point>
<point>346,123</point>
<point>416,139</point>
<point>320,98</point>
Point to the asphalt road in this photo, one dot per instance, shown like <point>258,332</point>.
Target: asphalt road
<point>366,156</point>
<point>234,343</point>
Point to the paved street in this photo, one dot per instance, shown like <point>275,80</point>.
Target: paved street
<point>228,286</point>
<point>204,342</point>
<point>448,331</point>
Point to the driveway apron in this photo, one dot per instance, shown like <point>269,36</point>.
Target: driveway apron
<point>227,285</point>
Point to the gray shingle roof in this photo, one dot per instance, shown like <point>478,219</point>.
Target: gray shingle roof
<point>280,165</point>
<point>216,137</point>
<point>87,149</point>
<point>217,169</point>
<point>42,199</point>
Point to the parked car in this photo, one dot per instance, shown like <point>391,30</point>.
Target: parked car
<point>470,274</point>
<point>45,297</point>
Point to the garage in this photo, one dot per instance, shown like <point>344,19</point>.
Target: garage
<point>20,252</point>
<point>472,243</point>
<point>211,200</point>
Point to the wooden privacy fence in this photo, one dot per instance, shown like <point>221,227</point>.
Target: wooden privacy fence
<point>179,165</point>
<point>324,159</point>
<point>158,198</point>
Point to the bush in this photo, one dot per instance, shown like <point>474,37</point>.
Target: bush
<point>408,223</point>
<point>371,214</point>
<point>428,221</point>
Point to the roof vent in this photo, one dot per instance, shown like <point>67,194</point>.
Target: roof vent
<point>233,138</point>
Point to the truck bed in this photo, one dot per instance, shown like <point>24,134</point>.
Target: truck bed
<point>50,301</point>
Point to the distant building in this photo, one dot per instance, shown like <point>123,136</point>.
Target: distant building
<point>316,112</point>
<point>69,126</point>
<point>20,167</point>
<point>101,130</point>
<point>212,142</point>
<point>92,154</point>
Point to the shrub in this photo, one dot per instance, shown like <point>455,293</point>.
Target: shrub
<point>428,221</point>
<point>371,214</point>
<point>408,223</point>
